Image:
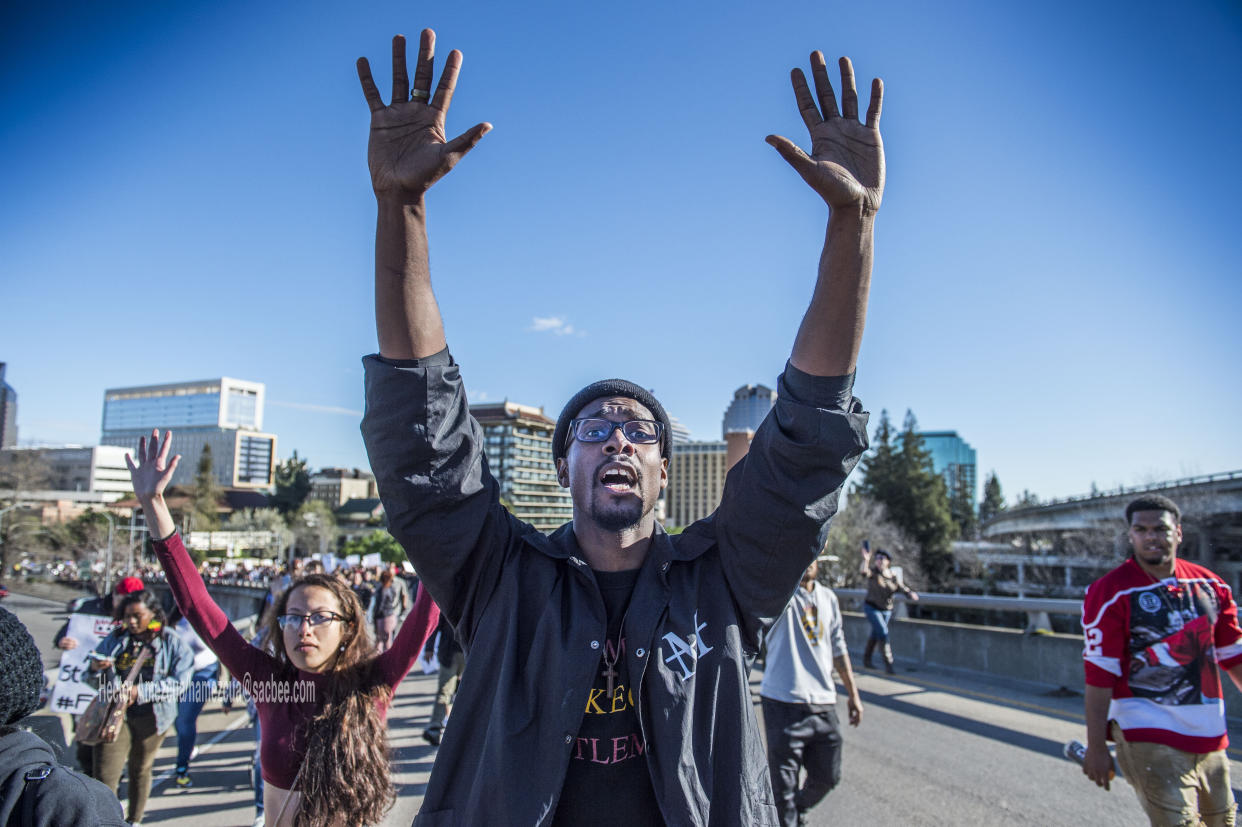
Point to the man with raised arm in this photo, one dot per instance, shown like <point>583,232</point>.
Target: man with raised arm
<point>607,674</point>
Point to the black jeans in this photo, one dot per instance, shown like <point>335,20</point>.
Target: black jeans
<point>801,738</point>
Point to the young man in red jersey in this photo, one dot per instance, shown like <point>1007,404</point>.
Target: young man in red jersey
<point>1155,629</point>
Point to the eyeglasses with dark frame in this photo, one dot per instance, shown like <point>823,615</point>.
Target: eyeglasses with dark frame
<point>294,621</point>
<point>637,431</point>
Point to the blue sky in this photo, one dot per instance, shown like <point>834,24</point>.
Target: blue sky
<point>1057,266</point>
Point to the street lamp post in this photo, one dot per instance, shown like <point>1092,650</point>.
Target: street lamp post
<point>111,535</point>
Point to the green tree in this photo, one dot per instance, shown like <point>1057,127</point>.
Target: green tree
<point>962,509</point>
<point>377,542</point>
<point>204,511</point>
<point>293,485</point>
<point>993,501</point>
<point>899,475</point>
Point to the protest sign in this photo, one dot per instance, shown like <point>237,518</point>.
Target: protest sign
<point>72,693</point>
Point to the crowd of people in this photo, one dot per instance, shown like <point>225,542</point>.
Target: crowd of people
<point>607,676</point>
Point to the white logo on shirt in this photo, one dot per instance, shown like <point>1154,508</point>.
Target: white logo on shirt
<point>693,649</point>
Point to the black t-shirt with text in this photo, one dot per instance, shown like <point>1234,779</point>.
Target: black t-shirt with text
<point>608,782</point>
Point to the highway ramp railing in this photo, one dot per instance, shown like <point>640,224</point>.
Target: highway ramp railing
<point>1038,610</point>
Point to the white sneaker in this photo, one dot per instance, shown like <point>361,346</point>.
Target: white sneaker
<point>259,821</point>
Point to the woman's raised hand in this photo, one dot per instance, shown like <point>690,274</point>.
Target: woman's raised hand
<point>153,471</point>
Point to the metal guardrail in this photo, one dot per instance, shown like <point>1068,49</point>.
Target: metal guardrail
<point>1050,605</point>
<point>1037,609</point>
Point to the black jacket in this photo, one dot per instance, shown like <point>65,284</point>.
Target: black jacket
<point>63,798</point>
<point>530,615</point>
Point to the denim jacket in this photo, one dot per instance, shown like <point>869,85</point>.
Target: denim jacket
<point>174,664</point>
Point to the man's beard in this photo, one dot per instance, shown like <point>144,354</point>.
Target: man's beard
<point>620,517</point>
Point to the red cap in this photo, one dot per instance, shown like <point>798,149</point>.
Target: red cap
<point>129,585</point>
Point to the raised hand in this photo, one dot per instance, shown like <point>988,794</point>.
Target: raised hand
<point>408,151</point>
<point>153,470</point>
<point>846,164</point>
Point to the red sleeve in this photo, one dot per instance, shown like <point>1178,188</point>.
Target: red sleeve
<point>1104,629</point>
<point>422,620</point>
<point>208,620</point>
<point>1228,635</point>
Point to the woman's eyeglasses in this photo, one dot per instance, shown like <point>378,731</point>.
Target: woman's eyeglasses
<point>294,621</point>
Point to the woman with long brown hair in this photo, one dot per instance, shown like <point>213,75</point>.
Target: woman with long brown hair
<point>319,687</point>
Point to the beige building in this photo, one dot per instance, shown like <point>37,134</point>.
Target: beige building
<point>517,440</point>
<point>695,482</point>
<point>336,486</point>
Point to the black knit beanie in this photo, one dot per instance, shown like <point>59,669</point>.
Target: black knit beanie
<point>21,676</point>
<point>611,387</point>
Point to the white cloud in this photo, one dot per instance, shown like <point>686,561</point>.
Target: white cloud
<point>553,324</point>
<point>478,396</point>
<point>303,406</point>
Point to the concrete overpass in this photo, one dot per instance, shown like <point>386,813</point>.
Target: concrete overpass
<point>1094,524</point>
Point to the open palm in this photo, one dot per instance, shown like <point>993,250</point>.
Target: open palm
<point>153,471</point>
<point>846,164</point>
<point>408,150</point>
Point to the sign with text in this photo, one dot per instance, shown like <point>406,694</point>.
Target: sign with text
<point>72,693</point>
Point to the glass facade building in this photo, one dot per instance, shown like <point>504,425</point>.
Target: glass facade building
<point>953,459</point>
<point>223,415</point>
<point>750,405</point>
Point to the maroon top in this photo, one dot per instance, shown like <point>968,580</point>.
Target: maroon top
<point>286,698</point>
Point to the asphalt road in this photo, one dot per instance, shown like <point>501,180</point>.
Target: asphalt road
<point>933,749</point>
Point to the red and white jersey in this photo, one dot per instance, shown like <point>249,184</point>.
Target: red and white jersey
<point>1157,644</point>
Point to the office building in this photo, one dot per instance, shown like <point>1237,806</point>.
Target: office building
<point>96,469</point>
<point>337,486</point>
<point>953,459</point>
<point>517,440</point>
<point>224,414</point>
<point>8,412</point>
<point>695,482</point>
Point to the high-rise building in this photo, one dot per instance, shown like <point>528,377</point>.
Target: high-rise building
<point>750,405</point>
<point>517,440</point>
<point>225,414</point>
<point>953,459</point>
<point>695,482</point>
<point>8,412</point>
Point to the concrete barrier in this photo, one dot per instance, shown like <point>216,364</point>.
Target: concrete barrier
<point>235,601</point>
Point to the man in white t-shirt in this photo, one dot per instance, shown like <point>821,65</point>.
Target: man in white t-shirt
<point>800,699</point>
